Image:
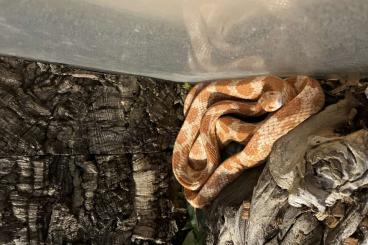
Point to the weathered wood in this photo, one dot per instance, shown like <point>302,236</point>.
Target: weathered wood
<point>312,169</point>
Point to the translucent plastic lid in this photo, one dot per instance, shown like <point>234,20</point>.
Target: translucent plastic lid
<point>191,40</point>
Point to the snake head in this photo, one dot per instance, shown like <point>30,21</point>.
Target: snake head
<point>271,100</point>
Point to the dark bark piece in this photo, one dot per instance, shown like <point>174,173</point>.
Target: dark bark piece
<point>59,113</point>
<point>85,156</point>
<point>298,228</point>
<point>349,225</point>
<point>151,200</point>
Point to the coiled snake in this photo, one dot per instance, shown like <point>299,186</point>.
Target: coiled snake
<point>215,114</point>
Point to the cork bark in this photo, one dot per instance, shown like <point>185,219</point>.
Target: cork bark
<point>85,156</point>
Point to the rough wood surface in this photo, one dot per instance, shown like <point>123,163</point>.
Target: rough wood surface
<point>85,156</point>
<point>312,189</point>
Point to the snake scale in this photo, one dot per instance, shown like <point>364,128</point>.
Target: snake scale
<point>219,112</point>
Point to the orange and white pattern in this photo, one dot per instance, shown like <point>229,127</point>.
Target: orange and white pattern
<point>215,115</point>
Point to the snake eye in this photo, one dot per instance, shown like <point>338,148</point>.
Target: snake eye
<point>271,101</point>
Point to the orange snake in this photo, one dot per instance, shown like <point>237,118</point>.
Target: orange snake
<point>215,113</point>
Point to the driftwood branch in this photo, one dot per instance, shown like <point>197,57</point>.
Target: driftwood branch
<point>311,191</point>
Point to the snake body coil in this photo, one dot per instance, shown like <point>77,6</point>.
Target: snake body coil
<point>213,119</point>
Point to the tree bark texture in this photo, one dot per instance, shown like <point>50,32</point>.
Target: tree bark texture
<point>85,156</point>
